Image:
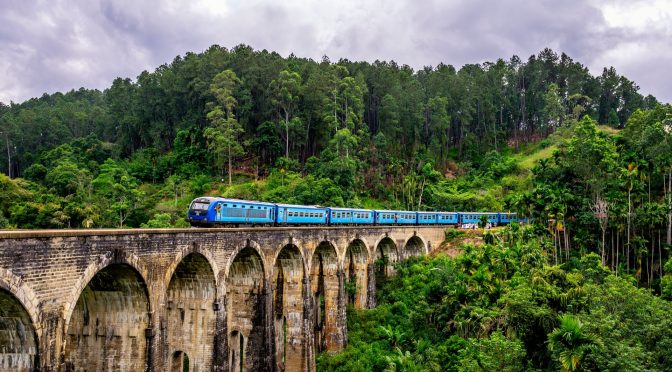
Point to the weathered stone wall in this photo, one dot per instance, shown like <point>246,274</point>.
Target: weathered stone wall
<point>126,299</point>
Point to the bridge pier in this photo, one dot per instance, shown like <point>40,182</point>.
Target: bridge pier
<point>201,299</point>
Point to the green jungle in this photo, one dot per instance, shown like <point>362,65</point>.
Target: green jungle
<point>586,285</point>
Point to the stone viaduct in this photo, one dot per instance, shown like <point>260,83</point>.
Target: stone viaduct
<point>244,299</point>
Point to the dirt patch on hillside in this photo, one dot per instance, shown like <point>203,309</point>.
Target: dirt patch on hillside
<point>455,239</point>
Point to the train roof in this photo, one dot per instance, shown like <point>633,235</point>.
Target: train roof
<point>350,209</point>
<point>301,206</point>
<point>230,200</point>
<point>392,211</point>
<point>444,212</point>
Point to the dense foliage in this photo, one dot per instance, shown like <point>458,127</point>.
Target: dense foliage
<point>609,194</point>
<point>506,307</point>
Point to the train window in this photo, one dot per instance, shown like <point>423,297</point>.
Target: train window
<point>225,205</point>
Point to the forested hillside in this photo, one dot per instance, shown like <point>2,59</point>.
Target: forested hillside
<point>361,133</point>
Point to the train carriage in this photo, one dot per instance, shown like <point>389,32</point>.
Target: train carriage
<point>384,217</point>
<point>447,218</point>
<point>506,218</point>
<point>210,211</point>
<point>406,217</point>
<point>350,216</point>
<point>475,217</point>
<point>427,218</point>
<point>288,214</point>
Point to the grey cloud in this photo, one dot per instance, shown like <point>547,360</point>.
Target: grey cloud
<point>60,45</point>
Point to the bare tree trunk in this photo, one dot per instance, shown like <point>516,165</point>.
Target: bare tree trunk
<point>616,266</point>
<point>669,205</point>
<point>9,157</point>
<point>660,255</point>
<point>230,166</point>
<point>627,264</point>
<point>422,190</point>
<point>286,134</point>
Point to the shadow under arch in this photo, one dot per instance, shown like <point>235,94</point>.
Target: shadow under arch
<point>246,310</point>
<point>415,246</point>
<point>189,312</point>
<point>101,262</point>
<point>385,256</point>
<point>106,329</point>
<point>191,249</point>
<point>325,288</point>
<point>19,344</point>
<point>288,280</point>
<point>23,293</point>
<point>355,266</point>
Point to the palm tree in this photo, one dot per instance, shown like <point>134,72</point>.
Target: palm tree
<point>570,343</point>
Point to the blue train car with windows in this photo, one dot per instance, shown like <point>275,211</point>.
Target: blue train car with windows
<point>350,216</point>
<point>427,218</point>
<point>406,217</point>
<point>506,218</point>
<point>475,217</point>
<point>209,211</point>
<point>288,214</point>
<point>384,217</point>
<point>447,218</point>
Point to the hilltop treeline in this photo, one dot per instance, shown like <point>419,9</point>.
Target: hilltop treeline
<point>393,118</point>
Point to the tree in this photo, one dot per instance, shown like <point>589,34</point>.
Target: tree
<point>118,191</point>
<point>223,136</point>
<point>287,89</point>
<point>553,107</point>
<point>569,343</point>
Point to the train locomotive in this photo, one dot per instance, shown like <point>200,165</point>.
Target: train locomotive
<point>210,211</point>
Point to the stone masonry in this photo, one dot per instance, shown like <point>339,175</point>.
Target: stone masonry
<point>244,299</point>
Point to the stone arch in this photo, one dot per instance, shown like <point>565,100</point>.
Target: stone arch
<point>186,251</point>
<point>415,246</point>
<point>19,345</point>
<point>324,280</point>
<point>250,244</point>
<point>288,308</point>
<point>101,262</point>
<point>385,256</point>
<point>246,310</point>
<point>189,312</point>
<point>107,326</point>
<point>355,267</point>
<point>15,286</point>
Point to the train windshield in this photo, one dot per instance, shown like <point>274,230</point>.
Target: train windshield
<point>199,206</point>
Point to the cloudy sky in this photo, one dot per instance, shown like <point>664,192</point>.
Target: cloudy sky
<point>58,45</point>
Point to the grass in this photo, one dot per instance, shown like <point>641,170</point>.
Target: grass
<point>528,162</point>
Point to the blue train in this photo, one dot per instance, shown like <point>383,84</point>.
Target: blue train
<point>212,211</point>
